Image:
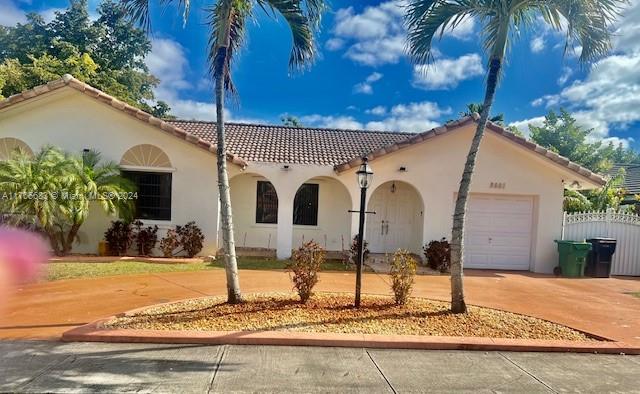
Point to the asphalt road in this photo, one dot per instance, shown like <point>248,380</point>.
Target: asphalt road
<point>40,366</point>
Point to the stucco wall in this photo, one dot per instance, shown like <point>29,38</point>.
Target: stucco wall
<point>73,121</point>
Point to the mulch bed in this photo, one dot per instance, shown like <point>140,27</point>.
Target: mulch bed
<point>333,313</point>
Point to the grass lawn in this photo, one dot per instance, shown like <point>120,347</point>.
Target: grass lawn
<point>62,270</point>
<point>636,294</point>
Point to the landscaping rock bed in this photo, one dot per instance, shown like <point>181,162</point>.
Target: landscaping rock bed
<point>333,313</point>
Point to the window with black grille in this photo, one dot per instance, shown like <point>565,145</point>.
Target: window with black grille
<point>154,194</point>
<point>266,203</point>
<point>305,205</point>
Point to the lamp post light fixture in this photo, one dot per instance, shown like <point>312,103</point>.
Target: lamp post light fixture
<point>365,177</point>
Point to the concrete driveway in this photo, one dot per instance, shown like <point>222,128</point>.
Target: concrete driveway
<point>601,306</point>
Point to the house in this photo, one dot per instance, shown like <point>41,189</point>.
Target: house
<point>290,184</point>
<point>631,181</point>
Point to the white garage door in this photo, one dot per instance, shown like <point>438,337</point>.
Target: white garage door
<point>498,232</point>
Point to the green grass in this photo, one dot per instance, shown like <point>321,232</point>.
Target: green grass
<point>59,271</point>
<point>270,264</point>
<point>62,270</point>
<point>636,294</point>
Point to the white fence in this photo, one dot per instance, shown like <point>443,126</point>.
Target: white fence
<point>624,227</point>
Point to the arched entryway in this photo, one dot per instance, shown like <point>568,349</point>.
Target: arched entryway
<point>397,223</point>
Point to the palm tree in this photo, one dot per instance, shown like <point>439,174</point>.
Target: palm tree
<point>587,23</point>
<point>476,108</point>
<point>55,191</point>
<point>227,23</point>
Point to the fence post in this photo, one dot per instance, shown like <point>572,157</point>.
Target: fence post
<point>608,219</point>
<point>564,224</point>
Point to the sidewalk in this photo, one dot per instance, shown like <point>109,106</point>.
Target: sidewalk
<point>85,367</point>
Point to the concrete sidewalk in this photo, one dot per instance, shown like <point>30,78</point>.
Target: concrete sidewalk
<point>33,366</point>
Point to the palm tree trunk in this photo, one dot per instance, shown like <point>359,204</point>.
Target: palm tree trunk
<point>70,237</point>
<point>228,242</point>
<point>458,304</point>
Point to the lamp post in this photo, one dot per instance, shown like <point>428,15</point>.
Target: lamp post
<point>365,176</point>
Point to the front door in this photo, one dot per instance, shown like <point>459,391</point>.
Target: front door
<point>398,219</point>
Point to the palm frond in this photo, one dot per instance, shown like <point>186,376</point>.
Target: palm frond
<point>139,10</point>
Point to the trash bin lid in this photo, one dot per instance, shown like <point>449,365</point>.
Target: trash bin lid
<point>602,240</point>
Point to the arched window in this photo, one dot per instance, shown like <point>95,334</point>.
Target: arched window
<point>266,203</point>
<point>305,205</point>
<point>145,155</point>
<point>10,145</point>
<point>149,168</point>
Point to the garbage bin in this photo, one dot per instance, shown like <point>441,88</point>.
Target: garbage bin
<point>573,258</point>
<point>599,259</point>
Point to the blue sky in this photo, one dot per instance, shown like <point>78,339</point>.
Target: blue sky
<point>362,79</point>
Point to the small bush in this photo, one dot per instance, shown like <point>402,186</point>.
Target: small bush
<point>191,238</point>
<point>352,256</point>
<point>145,239</point>
<point>305,264</point>
<point>119,237</point>
<point>169,243</point>
<point>403,273</point>
<point>438,254</point>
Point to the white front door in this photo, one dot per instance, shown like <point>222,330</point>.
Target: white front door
<point>498,232</point>
<point>397,220</point>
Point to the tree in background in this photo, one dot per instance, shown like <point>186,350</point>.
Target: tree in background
<point>610,196</point>
<point>227,23</point>
<point>107,53</point>
<point>55,190</point>
<point>587,23</point>
<point>291,121</point>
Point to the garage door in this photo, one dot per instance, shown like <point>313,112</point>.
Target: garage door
<point>498,232</point>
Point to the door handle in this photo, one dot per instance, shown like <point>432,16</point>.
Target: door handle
<point>386,228</point>
<point>382,228</point>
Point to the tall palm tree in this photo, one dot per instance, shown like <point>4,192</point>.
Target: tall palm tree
<point>476,108</point>
<point>227,23</point>
<point>587,23</point>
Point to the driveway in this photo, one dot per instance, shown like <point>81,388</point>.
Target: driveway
<point>603,307</point>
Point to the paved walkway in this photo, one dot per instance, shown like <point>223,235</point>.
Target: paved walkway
<point>87,367</point>
<point>600,306</point>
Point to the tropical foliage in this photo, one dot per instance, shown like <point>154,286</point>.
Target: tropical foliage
<point>56,190</point>
<point>610,196</point>
<point>107,53</point>
<point>587,23</point>
<point>228,20</point>
<point>562,134</point>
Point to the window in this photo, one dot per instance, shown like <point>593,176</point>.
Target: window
<point>266,203</point>
<point>305,205</point>
<point>154,194</point>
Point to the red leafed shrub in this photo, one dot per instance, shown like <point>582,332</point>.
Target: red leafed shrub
<point>305,264</point>
<point>144,238</point>
<point>438,254</point>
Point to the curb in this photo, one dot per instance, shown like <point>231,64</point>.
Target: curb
<point>93,332</point>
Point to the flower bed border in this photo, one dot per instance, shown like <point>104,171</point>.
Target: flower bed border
<point>95,332</point>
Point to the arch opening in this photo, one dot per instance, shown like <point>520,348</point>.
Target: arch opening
<point>398,222</point>
<point>145,155</point>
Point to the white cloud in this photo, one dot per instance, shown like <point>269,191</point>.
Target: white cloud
<point>379,110</point>
<point>447,73</point>
<point>377,35</point>
<point>537,44</point>
<point>334,44</point>
<point>411,117</point>
<point>564,77</point>
<point>366,87</point>
<point>523,125</point>
<point>10,13</point>
<point>336,122</point>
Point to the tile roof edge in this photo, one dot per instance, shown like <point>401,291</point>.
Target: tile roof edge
<point>475,117</point>
<point>68,80</point>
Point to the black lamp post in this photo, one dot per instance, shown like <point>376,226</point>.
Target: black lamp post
<point>365,176</point>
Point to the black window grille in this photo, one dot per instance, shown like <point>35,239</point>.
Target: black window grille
<point>154,194</point>
<point>305,205</point>
<point>266,203</point>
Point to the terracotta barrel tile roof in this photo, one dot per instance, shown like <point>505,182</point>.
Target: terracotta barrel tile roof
<point>282,144</point>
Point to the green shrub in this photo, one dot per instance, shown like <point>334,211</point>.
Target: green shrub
<point>403,273</point>
<point>169,243</point>
<point>438,254</point>
<point>145,239</point>
<point>352,256</point>
<point>191,238</point>
<point>305,264</point>
<point>119,236</point>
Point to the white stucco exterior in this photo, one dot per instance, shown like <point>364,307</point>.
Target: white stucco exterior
<point>432,169</point>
